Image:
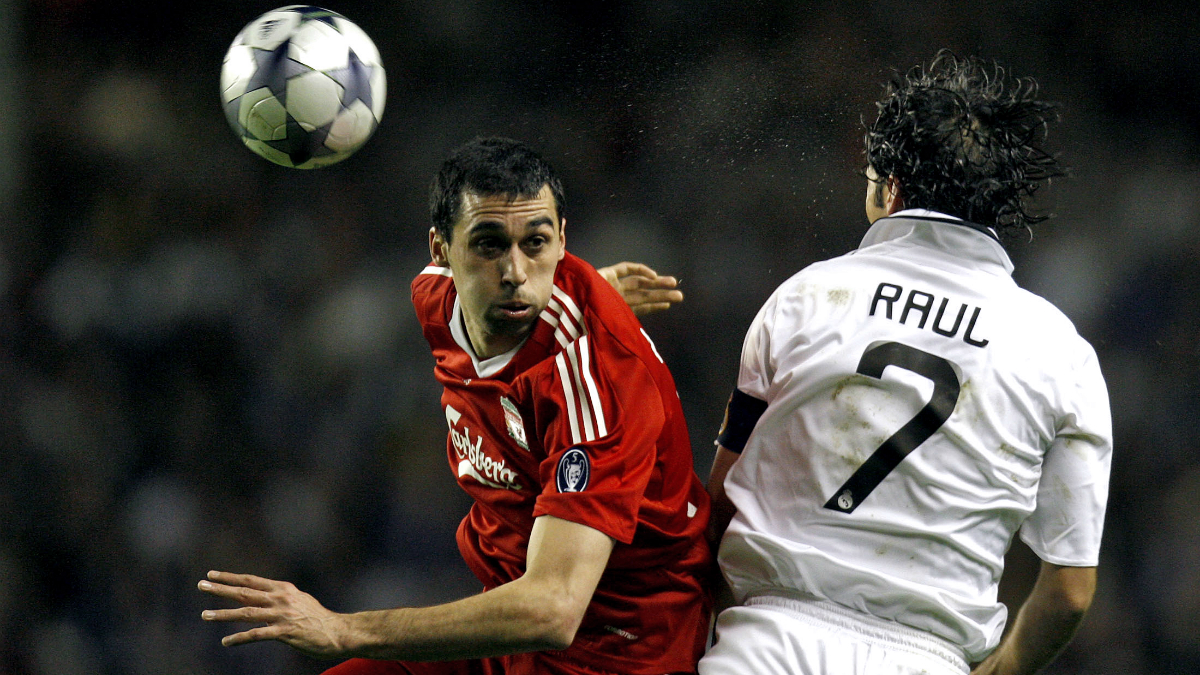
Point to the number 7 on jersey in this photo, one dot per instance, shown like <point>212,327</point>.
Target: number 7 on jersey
<point>923,425</point>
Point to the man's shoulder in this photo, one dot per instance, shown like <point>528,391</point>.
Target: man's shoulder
<point>433,295</point>
<point>1044,324</point>
<point>580,287</point>
<point>611,326</point>
<point>817,277</point>
<point>577,278</point>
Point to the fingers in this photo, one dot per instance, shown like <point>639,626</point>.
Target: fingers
<point>650,308</point>
<point>291,616</point>
<point>648,283</point>
<point>245,596</point>
<point>246,614</point>
<point>246,580</point>
<point>253,635</point>
<point>250,591</point>
<point>626,269</point>
<point>649,302</point>
<point>653,295</point>
<point>254,594</point>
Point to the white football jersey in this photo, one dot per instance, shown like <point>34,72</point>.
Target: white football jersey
<point>920,409</point>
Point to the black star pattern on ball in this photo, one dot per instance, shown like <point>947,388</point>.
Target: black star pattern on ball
<point>300,145</point>
<point>272,69</point>
<point>355,80</point>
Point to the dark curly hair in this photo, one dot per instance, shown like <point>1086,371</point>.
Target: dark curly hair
<point>489,166</point>
<point>963,137</point>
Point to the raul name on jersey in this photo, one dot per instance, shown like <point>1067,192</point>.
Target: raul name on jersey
<point>920,307</point>
<point>470,457</point>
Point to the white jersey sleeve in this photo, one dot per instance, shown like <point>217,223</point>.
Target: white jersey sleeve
<point>1066,525</point>
<point>757,369</point>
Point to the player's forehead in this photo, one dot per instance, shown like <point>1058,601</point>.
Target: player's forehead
<point>489,210</point>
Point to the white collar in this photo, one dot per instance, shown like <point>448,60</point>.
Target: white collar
<point>941,231</point>
<point>489,366</point>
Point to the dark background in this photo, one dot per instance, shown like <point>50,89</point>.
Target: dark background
<point>208,361</point>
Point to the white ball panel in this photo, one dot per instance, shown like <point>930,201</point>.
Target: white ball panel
<point>358,40</point>
<point>319,46</point>
<point>313,99</point>
<point>351,129</point>
<point>265,119</point>
<point>249,100</point>
<point>238,68</point>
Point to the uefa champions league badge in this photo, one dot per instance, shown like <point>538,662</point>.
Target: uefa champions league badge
<point>513,422</point>
<point>574,469</point>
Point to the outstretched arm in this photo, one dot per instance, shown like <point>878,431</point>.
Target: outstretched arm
<point>540,610</point>
<point>642,288</point>
<point>1046,622</point>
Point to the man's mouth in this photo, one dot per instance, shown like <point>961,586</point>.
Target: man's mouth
<point>515,309</point>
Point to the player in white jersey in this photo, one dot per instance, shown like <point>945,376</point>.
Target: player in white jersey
<point>904,410</point>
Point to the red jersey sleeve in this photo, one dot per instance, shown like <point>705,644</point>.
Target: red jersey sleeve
<point>599,416</point>
<point>433,296</point>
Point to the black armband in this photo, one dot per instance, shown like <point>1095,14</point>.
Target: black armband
<point>741,415</point>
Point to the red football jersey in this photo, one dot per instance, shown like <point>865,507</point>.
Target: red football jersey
<point>582,422</point>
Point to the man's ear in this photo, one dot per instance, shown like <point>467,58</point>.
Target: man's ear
<point>562,237</point>
<point>438,248</point>
<point>893,197</point>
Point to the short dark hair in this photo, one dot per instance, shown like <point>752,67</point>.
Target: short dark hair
<point>963,137</point>
<point>489,166</point>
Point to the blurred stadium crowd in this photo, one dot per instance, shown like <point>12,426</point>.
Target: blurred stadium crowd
<point>208,361</point>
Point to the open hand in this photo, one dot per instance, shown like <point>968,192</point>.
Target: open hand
<point>292,616</point>
<point>641,287</point>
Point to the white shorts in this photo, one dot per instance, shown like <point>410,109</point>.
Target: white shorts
<point>771,635</point>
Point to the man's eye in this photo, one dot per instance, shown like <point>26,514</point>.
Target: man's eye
<point>488,244</point>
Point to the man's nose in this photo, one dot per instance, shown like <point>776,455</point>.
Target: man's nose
<point>514,267</point>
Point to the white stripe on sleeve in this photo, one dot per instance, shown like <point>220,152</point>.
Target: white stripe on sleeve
<point>566,322</point>
<point>569,393</point>
<point>590,385</point>
<point>567,302</point>
<point>589,430</point>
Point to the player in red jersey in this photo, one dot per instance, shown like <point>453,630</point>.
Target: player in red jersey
<point>587,529</point>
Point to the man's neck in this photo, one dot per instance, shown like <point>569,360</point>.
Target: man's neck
<point>486,345</point>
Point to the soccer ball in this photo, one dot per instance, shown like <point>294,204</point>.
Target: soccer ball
<point>303,86</point>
